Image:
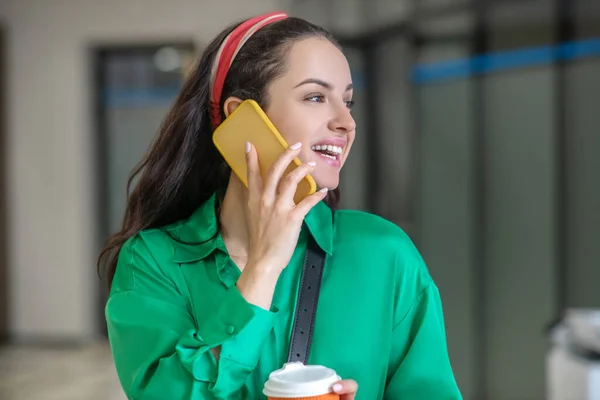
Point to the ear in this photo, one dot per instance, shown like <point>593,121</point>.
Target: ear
<point>230,105</point>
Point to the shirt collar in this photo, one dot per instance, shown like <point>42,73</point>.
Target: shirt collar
<point>199,235</point>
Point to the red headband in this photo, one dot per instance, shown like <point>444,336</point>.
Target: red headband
<point>226,54</point>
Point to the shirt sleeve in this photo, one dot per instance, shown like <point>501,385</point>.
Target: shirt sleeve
<point>420,364</point>
<point>158,349</point>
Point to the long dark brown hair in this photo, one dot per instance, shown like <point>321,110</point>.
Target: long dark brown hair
<point>182,168</point>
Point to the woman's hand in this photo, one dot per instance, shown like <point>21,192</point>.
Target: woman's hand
<point>274,222</point>
<point>346,389</point>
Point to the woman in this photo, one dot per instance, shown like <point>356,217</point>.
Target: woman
<point>204,272</point>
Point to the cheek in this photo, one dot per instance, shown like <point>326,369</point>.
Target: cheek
<point>287,125</point>
<point>294,128</point>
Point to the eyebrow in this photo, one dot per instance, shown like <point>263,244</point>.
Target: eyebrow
<point>320,82</point>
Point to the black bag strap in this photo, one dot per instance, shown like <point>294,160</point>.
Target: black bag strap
<point>306,306</point>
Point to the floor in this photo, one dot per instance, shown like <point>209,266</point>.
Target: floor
<point>38,373</point>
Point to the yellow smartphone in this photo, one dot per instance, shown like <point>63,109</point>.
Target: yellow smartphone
<point>249,123</point>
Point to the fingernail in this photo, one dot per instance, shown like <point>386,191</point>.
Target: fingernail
<point>312,163</point>
<point>296,146</point>
<point>324,190</point>
<point>337,388</point>
<point>248,147</point>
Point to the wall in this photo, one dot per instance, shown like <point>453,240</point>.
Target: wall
<point>446,215</point>
<point>583,202</point>
<point>350,17</point>
<point>520,229</point>
<point>3,223</point>
<point>50,186</point>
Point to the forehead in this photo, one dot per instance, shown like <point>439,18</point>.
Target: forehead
<point>318,58</point>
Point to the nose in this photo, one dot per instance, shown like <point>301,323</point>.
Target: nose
<point>342,120</point>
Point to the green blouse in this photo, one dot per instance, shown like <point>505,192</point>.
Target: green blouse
<point>379,319</point>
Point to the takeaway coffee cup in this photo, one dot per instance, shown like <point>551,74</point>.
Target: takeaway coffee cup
<point>296,381</point>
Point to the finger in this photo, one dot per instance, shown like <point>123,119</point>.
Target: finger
<point>289,183</point>
<point>278,168</point>
<point>253,172</point>
<point>306,204</point>
<point>347,388</point>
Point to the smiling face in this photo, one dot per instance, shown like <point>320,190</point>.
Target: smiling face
<point>311,104</point>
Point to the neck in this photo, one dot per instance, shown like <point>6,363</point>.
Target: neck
<point>232,217</point>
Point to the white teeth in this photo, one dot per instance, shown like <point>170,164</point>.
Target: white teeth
<point>329,148</point>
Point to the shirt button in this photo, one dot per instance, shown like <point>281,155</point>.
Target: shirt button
<point>230,329</point>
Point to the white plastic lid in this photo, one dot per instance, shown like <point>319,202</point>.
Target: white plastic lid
<point>298,380</point>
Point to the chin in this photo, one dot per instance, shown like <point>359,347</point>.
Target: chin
<point>329,182</point>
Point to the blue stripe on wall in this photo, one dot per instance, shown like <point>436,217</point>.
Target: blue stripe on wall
<point>503,61</point>
<point>515,59</point>
<point>580,49</point>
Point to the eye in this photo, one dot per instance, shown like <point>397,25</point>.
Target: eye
<point>317,98</point>
<point>350,104</point>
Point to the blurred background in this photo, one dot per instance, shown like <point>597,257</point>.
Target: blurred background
<point>477,133</point>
